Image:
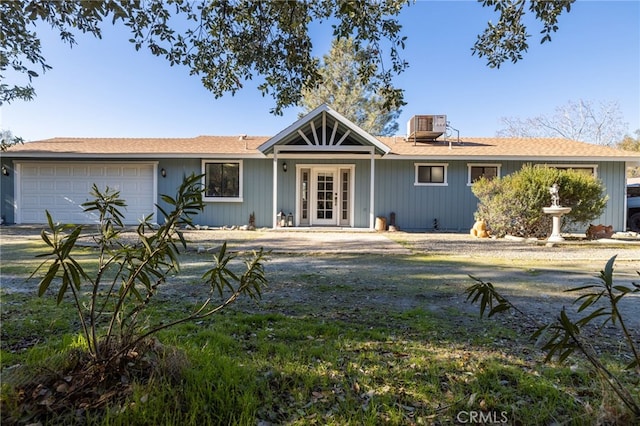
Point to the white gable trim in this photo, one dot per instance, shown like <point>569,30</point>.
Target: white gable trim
<point>321,112</point>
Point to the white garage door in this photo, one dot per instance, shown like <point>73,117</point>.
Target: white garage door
<point>62,187</point>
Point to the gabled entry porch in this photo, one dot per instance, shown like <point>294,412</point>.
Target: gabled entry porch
<point>334,164</point>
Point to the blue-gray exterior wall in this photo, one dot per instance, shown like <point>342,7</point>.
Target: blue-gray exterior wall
<point>258,190</point>
<point>7,192</point>
<point>257,186</point>
<point>416,207</point>
<point>452,207</point>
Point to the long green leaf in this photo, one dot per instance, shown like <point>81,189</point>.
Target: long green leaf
<point>63,290</point>
<point>499,308</point>
<point>46,281</point>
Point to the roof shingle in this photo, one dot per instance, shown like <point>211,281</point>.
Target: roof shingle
<point>246,146</point>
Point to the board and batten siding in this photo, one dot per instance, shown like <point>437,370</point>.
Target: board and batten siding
<point>257,192</point>
<point>7,207</point>
<point>613,175</point>
<point>452,207</point>
<point>419,208</point>
<point>416,207</point>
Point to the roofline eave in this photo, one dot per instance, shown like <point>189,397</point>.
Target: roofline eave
<point>99,156</point>
<point>508,158</point>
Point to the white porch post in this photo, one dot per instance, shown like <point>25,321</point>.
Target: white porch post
<point>372,191</point>
<point>275,187</point>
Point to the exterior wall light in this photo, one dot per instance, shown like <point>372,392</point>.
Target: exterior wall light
<point>163,172</point>
<point>284,167</point>
<point>5,171</point>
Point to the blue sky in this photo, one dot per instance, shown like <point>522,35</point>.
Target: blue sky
<point>104,88</point>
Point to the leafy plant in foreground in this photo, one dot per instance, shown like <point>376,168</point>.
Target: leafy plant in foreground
<point>129,274</point>
<point>561,338</point>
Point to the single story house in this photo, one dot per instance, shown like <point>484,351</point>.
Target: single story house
<point>321,171</point>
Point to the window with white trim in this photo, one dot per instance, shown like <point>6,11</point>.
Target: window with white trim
<point>476,171</point>
<point>431,174</point>
<point>222,180</point>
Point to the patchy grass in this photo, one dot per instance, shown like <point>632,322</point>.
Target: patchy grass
<point>359,367</point>
<point>416,367</point>
<point>341,340</point>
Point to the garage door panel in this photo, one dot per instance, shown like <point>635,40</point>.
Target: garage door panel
<point>63,185</point>
<point>47,185</point>
<point>29,186</point>
<point>30,170</point>
<point>62,188</point>
<point>96,171</point>
<point>113,171</point>
<point>80,171</point>
<point>47,171</point>
<point>30,201</point>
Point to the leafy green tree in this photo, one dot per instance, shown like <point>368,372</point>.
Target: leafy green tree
<point>513,204</point>
<point>508,38</point>
<point>226,42</point>
<point>340,87</point>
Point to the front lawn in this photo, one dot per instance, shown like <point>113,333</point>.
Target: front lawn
<point>358,339</point>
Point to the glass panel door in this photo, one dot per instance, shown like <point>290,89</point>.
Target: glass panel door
<point>325,198</point>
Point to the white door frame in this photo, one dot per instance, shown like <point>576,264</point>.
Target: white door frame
<point>332,194</point>
<point>337,201</point>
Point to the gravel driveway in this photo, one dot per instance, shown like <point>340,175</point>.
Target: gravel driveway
<point>404,243</point>
<point>530,273</point>
<point>401,243</point>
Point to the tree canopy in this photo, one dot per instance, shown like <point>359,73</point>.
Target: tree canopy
<point>580,120</point>
<point>340,87</point>
<point>631,143</point>
<point>7,140</point>
<point>227,42</point>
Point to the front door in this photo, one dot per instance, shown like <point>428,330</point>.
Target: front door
<point>324,197</point>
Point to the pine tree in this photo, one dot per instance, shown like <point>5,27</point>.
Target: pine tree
<point>341,88</point>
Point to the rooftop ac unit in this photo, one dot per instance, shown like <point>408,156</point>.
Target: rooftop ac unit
<point>426,127</point>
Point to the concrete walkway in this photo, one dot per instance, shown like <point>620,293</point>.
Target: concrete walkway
<point>328,242</point>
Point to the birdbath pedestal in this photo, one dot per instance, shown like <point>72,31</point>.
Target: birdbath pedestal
<point>556,213</point>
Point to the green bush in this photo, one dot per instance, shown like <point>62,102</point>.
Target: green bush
<point>513,204</point>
